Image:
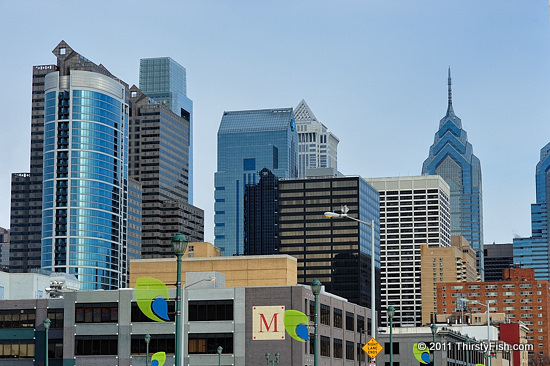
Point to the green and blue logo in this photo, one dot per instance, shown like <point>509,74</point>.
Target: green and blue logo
<point>152,298</point>
<point>421,352</point>
<point>296,324</point>
<point>158,359</point>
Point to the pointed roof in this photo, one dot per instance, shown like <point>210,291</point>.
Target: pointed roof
<point>450,110</point>
<point>303,113</point>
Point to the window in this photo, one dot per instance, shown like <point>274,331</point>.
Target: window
<point>56,317</point>
<point>138,316</point>
<point>96,313</point>
<point>349,322</point>
<point>338,351</point>
<point>17,318</point>
<point>337,318</point>
<point>96,345</point>
<point>207,343</point>
<point>213,310</point>
<point>325,346</point>
<point>16,348</point>
<point>395,348</point>
<point>360,323</point>
<point>249,164</point>
<point>325,315</point>
<point>349,350</point>
<point>158,343</point>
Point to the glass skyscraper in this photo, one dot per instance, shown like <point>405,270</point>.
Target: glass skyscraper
<point>85,189</point>
<point>249,141</point>
<point>533,252</point>
<point>451,156</point>
<point>165,80</point>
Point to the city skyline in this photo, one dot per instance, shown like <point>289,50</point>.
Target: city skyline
<point>379,67</point>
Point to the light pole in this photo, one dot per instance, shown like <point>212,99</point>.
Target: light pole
<point>316,289</point>
<point>467,351</point>
<point>274,361</point>
<point>147,340</point>
<point>345,215</point>
<point>391,313</point>
<point>433,328</point>
<point>220,349</point>
<point>179,244</point>
<point>488,326</point>
<point>47,323</point>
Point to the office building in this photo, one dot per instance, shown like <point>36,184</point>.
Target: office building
<point>260,216</point>
<point>497,257</point>
<point>519,295</point>
<point>4,248</point>
<point>159,160</point>
<point>534,252</point>
<point>317,147</point>
<point>249,141</point>
<point>413,211</point>
<point>456,263</point>
<point>337,252</point>
<point>165,81</point>
<point>451,156</point>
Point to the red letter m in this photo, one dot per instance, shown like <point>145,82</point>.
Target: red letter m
<point>264,321</point>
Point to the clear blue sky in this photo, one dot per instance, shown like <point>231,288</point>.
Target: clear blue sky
<point>374,72</point>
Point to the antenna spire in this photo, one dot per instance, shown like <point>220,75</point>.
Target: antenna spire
<point>450,103</point>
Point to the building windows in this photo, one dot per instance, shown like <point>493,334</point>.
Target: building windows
<point>207,343</point>
<point>350,322</point>
<point>325,314</point>
<point>395,348</point>
<point>249,164</point>
<point>96,345</point>
<point>56,317</point>
<point>214,310</point>
<point>360,323</point>
<point>337,318</point>
<point>15,348</point>
<point>349,350</point>
<point>96,313</point>
<point>325,346</point>
<point>17,318</point>
<point>338,350</point>
<point>158,343</point>
<point>138,316</point>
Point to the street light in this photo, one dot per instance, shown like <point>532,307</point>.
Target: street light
<point>467,351</point>
<point>345,215</point>
<point>179,244</point>
<point>391,313</point>
<point>220,349</point>
<point>147,340</point>
<point>316,289</point>
<point>275,361</point>
<point>433,328</point>
<point>488,325</point>
<point>47,323</point>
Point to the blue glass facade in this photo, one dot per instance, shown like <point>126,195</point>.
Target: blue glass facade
<point>165,80</point>
<point>451,156</point>
<point>249,141</point>
<point>85,196</point>
<point>533,252</point>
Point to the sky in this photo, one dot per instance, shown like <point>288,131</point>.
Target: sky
<point>374,72</point>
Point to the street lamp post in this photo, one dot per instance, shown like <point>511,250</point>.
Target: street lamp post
<point>467,351</point>
<point>47,323</point>
<point>179,244</point>
<point>316,289</point>
<point>345,215</point>
<point>488,306</point>
<point>433,328</point>
<point>274,361</point>
<point>147,340</point>
<point>391,313</point>
<point>220,349</point>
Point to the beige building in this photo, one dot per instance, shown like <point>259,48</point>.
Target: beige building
<point>456,263</point>
<point>201,250</point>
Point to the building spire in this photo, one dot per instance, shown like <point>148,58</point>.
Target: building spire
<point>450,104</point>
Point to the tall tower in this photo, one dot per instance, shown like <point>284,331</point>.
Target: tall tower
<point>165,80</point>
<point>85,189</point>
<point>317,146</point>
<point>249,141</point>
<point>533,252</point>
<point>451,156</point>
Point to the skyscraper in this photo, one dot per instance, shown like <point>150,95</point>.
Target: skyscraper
<point>451,156</point>
<point>85,189</point>
<point>497,258</point>
<point>317,147</point>
<point>249,141</point>
<point>164,80</point>
<point>533,252</point>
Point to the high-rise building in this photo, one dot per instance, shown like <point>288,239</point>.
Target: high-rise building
<point>534,252</point>
<point>260,216</point>
<point>317,147</point>
<point>158,159</point>
<point>4,248</point>
<point>165,81</point>
<point>337,252</point>
<point>456,263</point>
<point>497,257</point>
<point>85,189</point>
<point>249,141</point>
<point>451,156</point>
<point>413,211</point>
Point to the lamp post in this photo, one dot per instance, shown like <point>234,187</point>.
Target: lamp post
<point>316,289</point>
<point>345,215</point>
<point>220,349</point>
<point>47,323</point>
<point>488,326</point>
<point>147,340</point>
<point>433,328</point>
<point>274,361</point>
<point>179,244</point>
<point>391,313</point>
<point>467,351</point>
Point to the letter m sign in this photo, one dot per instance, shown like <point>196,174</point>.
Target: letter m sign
<point>267,323</point>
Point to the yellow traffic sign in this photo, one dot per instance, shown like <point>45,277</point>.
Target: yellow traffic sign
<point>372,348</point>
